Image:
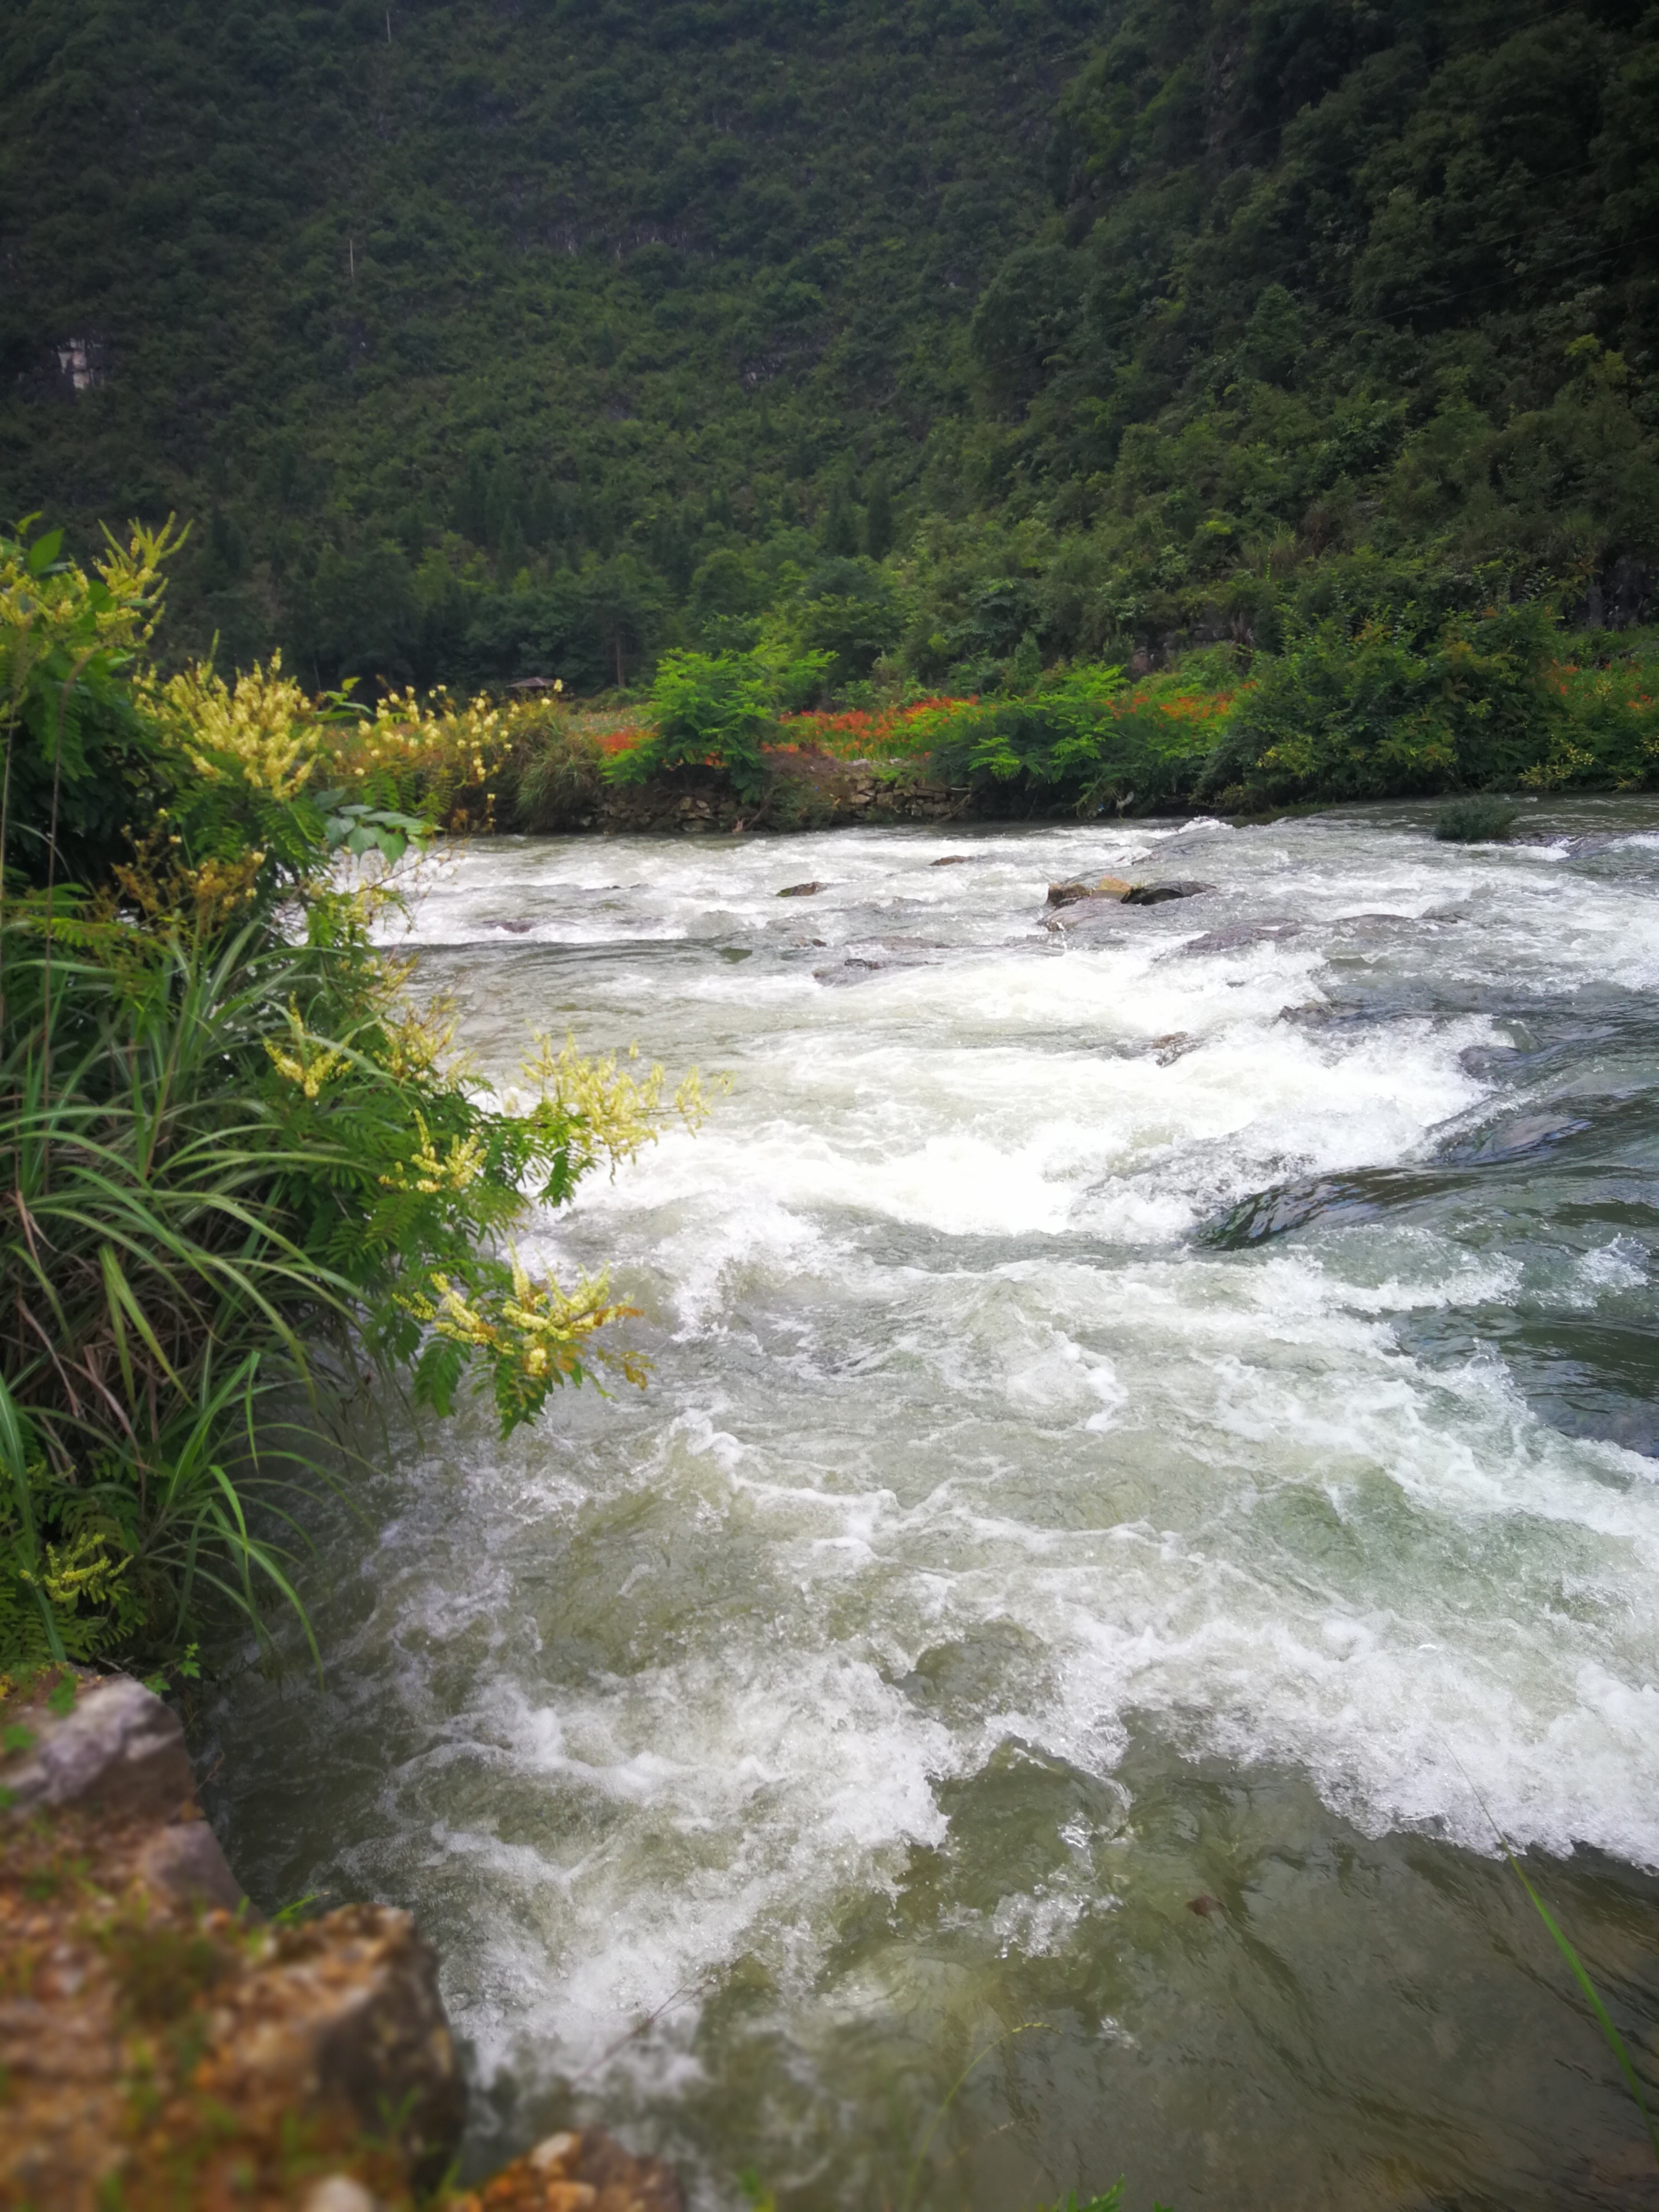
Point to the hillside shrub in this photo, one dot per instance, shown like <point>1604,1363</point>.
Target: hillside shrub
<point>1084,740</point>
<point>1384,712</point>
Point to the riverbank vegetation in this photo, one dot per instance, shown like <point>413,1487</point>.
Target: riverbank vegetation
<point>240,1161</point>
<point>1356,706</point>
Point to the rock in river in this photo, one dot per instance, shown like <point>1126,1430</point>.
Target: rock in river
<point>1156,894</point>
<point>1235,936</point>
<point>1109,887</point>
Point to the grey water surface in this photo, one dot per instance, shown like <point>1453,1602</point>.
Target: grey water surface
<point>1149,1468</point>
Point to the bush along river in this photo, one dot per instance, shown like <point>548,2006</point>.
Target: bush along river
<point>1149,1468</point>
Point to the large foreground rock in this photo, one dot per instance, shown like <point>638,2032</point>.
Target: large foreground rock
<point>162,2048</point>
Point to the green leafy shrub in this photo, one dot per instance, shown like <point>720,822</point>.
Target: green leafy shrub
<point>1084,740</point>
<point>1384,711</point>
<point>1474,822</point>
<point>715,710</point>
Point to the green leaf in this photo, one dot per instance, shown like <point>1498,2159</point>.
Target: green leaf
<point>44,551</point>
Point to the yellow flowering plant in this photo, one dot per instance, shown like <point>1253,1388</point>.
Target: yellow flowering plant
<point>78,746</point>
<point>243,1152</point>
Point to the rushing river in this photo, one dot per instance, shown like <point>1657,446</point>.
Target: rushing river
<point>1149,1467</point>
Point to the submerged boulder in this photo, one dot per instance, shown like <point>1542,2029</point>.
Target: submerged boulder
<point>1235,936</point>
<point>1083,915</point>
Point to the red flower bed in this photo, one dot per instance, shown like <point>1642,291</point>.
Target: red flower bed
<point>857,733</point>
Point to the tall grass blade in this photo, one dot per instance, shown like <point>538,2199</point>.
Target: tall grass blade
<point>15,1448</point>
<point>1025,2027</point>
<point>1592,1997</point>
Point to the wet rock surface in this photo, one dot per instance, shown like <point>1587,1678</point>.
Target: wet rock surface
<point>1159,894</point>
<point>1115,888</point>
<point>585,2172</point>
<point>1086,906</point>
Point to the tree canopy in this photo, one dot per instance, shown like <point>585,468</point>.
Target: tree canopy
<point>480,341</point>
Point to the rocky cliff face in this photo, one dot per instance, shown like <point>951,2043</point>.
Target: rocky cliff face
<point>162,2048</point>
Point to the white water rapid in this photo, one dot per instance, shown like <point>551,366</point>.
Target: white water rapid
<point>1042,1594</point>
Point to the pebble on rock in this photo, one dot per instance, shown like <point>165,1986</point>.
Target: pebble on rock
<point>338,2192</point>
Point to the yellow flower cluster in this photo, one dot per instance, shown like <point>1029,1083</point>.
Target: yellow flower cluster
<point>262,731</point>
<point>438,750</point>
<point>166,890</point>
<point>540,1331</point>
<point>455,1171</point>
<point>39,614</point>
<point>419,1040</point>
<point>617,1114</point>
<point>132,577</point>
<point>217,888</point>
<point>312,1061</point>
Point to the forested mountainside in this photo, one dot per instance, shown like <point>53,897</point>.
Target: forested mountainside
<point>482,338</point>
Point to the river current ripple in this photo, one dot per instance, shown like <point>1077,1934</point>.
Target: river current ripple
<point>1149,1468</point>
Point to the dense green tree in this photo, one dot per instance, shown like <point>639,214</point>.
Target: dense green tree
<point>564,283</point>
<point>543,340</point>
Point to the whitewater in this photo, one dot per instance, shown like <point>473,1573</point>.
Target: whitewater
<point>1148,1474</point>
